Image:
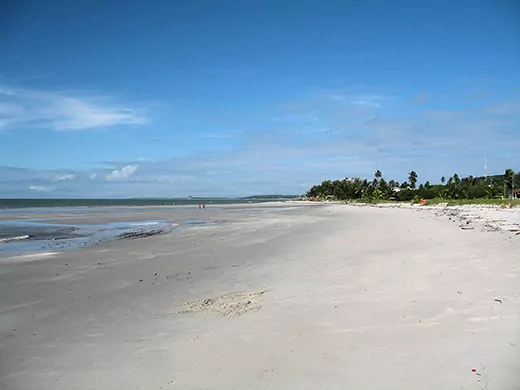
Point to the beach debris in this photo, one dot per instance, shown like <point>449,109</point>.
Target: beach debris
<point>140,234</point>
<point>490,227</point>
<point>498,300</point>
<point>229,305</point>
<point>15,238</point>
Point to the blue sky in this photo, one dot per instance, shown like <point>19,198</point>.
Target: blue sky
<point>178,98</point>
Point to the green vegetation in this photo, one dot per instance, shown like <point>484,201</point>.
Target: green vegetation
<point>482,190</point>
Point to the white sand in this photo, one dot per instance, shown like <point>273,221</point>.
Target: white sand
<point>327,297</point>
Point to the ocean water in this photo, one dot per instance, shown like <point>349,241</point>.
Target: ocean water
<point>38,203</point>
<point>22,236</point>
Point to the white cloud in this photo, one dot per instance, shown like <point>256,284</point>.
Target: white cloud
<point>367,103</point>
<point>41,188</point>
<point>375,101</point>
<point>296,152</point>
<point>123,173</point>
<point>62,111</point>
<point>64,177</point>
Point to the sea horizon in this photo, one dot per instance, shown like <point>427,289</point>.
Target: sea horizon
<point>21,203</point>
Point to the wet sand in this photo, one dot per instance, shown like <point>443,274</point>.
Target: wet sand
<point>327,296</point>
<point>36,230</point>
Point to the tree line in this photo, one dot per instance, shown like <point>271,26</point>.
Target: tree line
<point>454,187</point>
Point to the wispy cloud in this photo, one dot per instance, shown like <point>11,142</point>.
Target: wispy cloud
<point>222,134</point>
<point>369,100</point>
<point>62,111</point>
<point>123,173</point>
<point>316,140</point>
<point>41,188</point>
<point>63,177</point>
<point>373,100</point>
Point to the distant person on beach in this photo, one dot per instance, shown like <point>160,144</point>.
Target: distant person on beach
<point>203,206</point>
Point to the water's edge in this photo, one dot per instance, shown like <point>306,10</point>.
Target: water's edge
<point>24,231</point>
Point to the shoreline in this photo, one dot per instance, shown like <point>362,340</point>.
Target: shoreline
<point>72,229</point>
<point>127,203</point>
<point>27,212</point>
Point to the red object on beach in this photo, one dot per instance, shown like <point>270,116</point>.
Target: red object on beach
<point>473,370</point>
<point>422,201</point>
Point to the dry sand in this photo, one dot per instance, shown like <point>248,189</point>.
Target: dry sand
<point>320,297</point>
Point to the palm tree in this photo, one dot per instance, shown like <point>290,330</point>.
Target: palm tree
<point>412,178</point>
<point>377,194</point>
<point>378,174</point>
<point>509,180</point>
<point>456,178</point>
<point>358,187</point>
<point>389,191</point>
<point>443,180</point>
<point>383,185</point>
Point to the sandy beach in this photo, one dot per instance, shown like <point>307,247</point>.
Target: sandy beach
<point>324,296</point>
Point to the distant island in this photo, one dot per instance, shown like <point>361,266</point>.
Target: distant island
<point>271,197</point>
